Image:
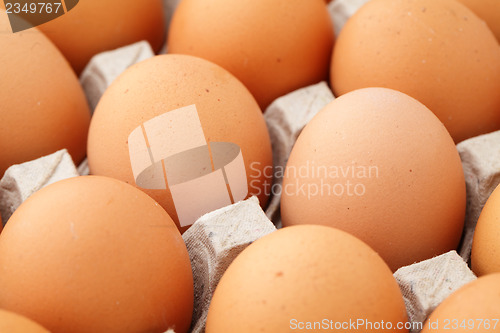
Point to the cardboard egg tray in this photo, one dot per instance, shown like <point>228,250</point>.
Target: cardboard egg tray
<point>218,237</point>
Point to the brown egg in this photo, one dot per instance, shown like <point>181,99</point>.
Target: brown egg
<point>94,26</point>
<point>13,323</point>
<point>472,308</point>
<point>93,254</point>
<point>378,164</point>
<point>272,46</point>
<point>486,245</point>
<point>298,276</point>
<point>199,91</point>
<point>438,52</point>
<point>43,105</point>
<point>487,10</point>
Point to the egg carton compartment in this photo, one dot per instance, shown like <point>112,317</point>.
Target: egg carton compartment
<point>218,237</point>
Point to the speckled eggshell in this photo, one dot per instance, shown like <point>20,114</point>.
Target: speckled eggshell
<point>272,46</point>
<point>472,308</point>
<point>487,10</point>
<point>305,274</point>
<point>94,26</point>
<point>43,108</point>
<point>13,323</point>
<point>438,52</point>
<point>93,254</point>
<point>485,257</point>
<point>378,164</point>
<point>226,109</point>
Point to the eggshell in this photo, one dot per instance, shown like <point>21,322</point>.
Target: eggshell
<point>13,323</point>
<point>378,164</point>
<point>272,46</point>
<point>227,113</point>
<point>485,257</point>
<point>472,308</point>
<point>487,10</point>
<point>94,26</point>
<point>93,254</point>
<point>438,52</point>
<point>43,105</point>
<point>305,274</point>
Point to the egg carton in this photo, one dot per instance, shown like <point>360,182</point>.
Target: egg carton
<point>218,237</point>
